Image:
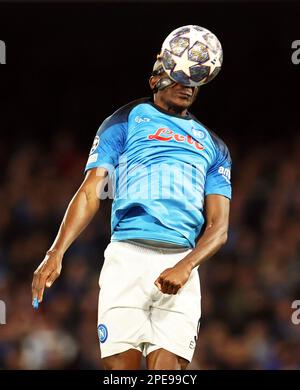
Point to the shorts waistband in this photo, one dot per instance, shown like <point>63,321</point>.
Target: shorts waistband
<point>144,248</point>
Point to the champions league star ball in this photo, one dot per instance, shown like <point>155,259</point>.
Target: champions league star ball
<point>191,55</point>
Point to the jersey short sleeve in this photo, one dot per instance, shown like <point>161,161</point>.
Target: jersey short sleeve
<point>218,177</point>
<point>108,144</point>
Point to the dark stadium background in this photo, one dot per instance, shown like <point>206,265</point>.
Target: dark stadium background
<point>71,65</point>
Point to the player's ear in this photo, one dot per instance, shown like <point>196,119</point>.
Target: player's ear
<point>152,82</point>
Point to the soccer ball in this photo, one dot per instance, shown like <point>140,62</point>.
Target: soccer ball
<point>191,55</point>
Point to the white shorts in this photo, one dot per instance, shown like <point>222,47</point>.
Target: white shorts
<point>134,314</point>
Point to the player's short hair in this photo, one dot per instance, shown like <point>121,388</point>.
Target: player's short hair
<point>157,67</point>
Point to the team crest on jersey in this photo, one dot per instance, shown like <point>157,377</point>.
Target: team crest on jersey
<point>102,333</point>
<point>199,134</point>
<point>165,134</point>
<point>95,144</point>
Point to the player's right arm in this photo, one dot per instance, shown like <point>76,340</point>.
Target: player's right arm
<point>104,156</point>
<point>79,213</point>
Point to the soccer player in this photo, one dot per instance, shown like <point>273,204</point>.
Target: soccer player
<point>171,181</point>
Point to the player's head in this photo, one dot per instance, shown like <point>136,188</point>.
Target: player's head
<point>168,91</point>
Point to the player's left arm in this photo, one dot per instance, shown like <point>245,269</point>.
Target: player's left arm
<point>214,237</point>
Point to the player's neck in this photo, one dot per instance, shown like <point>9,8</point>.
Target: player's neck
<point>171,109</point>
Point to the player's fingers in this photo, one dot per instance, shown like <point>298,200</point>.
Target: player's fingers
<point>158,284</point>
<point>171,287</point>
<point>172,290</point>
<point>160,279</point>
<point>35,284</point>
<point>163,284</point>
<point>51,278</point>
<point>166,287</point>
<point>41,288</point>
<point>176,288</point>
<point>39,285</point>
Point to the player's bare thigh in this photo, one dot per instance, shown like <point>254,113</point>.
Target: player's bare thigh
<point>161,359</point>
<point>128,360</point>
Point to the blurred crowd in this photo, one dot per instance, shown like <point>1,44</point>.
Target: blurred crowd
<point>247,288</point>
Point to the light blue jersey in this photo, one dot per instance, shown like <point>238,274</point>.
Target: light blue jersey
<point>162,166</point>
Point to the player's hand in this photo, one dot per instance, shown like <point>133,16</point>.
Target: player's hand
<point>172,279</point>
<point>46,273</point>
